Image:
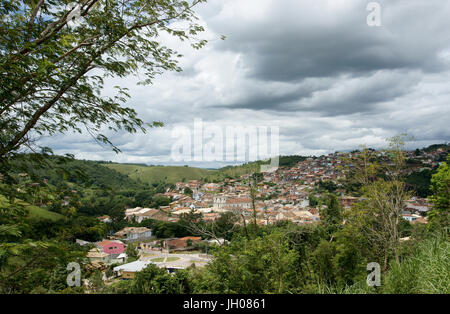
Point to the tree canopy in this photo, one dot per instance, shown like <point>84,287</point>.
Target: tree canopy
<point>53,67</point>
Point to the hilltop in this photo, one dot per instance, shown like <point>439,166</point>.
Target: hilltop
<point>173,174</point>
<point>158,174</point>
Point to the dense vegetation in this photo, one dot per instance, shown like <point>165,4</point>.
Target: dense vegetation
<point>420,182</point>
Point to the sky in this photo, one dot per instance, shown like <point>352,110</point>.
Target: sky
<point>314,69</point>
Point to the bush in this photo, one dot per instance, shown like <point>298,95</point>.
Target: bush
<point>426,271</point>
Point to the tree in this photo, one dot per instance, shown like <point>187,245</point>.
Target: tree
<point>143,198</point>
<point>313,201</point>
<point>132,251</point>
<point>96,281</point>
<point>420,182</point>
<point>331,216</point>
<point>52,70</point>
<point>23,265</point>
<point>323,262</point>
<point>160,201</point>
<point>154,280</point>
<point>440,185</point>
<point>264,264</point>
<point>329,186</point>
<point>188,191</point>
<point>52,74</point>
<point>384,193</point>
<point>117,215</point>
<point>221,229</point>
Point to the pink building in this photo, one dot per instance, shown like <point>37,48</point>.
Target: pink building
<point>112,247</point>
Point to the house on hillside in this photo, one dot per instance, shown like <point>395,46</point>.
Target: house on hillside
<point>194,185</point>
<point>128,271</point>
<point>181,243</point>
<point>134,234</point>
<point>152,213</point>
<point>105,219</point>
<point>114,248</point>
<point>211,187</point>
<point>348,201</point>
<point>96,255</point>
<point>410,217</point>
<point>107,252</point>
<point>229,203</point>
<point>82,242</point>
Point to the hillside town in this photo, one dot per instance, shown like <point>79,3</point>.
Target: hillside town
<point>285,194</point>
<point>280,195</point>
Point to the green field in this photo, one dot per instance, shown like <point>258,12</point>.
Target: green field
<point>35,212</point>
<point>156,174</point>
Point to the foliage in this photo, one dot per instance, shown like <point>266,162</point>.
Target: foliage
<point>188,191</point>
<point>54,69</point>
<point>132,252</point>
<point>27,265</point>
<point>328,186</point>
<point>420,182</point>
<point>313,200</point>
<point>154,280</point>
<point>96,281</point>
<point>384,194</point>
<point>261,265</point>
<point>331,215</point>
<point>440,183</point>
<point>426,271</point>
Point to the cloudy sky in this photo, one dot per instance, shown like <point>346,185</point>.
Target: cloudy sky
<point>313,68</point>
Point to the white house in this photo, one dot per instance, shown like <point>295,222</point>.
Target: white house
<point>134,233</point>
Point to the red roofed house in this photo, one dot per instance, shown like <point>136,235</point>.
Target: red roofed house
<point>112,247</point>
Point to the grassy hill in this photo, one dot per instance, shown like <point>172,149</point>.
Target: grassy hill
<point>255,166</point>
<point>234,171</point>
<point>87,174</point>
<point>156,174</point>
<point>35,212</point>
<point>173,174</point>
<point>38,212</point>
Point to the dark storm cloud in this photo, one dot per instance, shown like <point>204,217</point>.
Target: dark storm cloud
<point>360,95</point>
<point>337,96</point>
<point>293,41</point>
<point>296,41</point>
<point>278,97</point>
